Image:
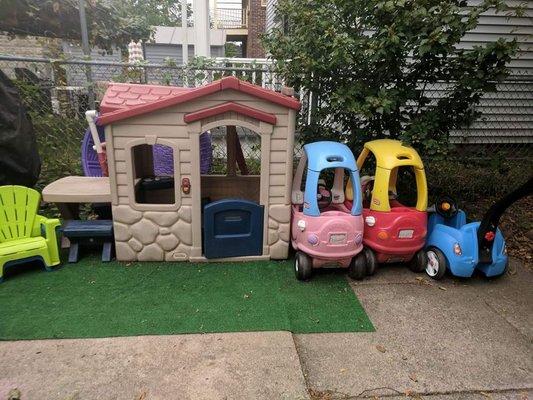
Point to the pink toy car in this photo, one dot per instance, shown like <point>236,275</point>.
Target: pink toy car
<point>324,231</point>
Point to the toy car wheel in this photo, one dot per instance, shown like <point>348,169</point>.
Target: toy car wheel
<point>357,267</point>
<point>371,261</point>
<point>303,266</point>
<point>436,263</point>
<point>419,262</point>
<point>505,269</point>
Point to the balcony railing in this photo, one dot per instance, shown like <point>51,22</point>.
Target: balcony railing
<point>230,18</point>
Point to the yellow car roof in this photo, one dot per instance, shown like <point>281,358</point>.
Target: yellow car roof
<point>392,153</point>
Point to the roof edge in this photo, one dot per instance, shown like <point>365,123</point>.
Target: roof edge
<point>231,106</point>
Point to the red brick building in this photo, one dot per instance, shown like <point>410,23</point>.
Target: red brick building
<point>256,27</point>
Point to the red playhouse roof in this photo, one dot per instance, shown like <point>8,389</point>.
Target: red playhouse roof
<point>127,95</point>
<point>123,100</point>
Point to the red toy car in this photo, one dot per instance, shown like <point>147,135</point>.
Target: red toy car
<point>393,231</point>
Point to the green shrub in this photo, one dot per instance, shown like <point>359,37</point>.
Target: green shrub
<point>370,65</point>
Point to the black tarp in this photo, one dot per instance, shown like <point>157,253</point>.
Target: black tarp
<point>19,159</point>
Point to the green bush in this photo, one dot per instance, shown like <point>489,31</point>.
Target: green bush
<point>370,65</point>
<point>474,180</point>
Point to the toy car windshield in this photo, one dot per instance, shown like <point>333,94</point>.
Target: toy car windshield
<point>320,156</point>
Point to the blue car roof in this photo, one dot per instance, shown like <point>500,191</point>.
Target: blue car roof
<point>325,154</point>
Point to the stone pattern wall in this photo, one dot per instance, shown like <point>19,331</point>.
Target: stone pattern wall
<point>256,27</point>
<point>30,46</point>
<point>279,231</point>
<point>152,235</point>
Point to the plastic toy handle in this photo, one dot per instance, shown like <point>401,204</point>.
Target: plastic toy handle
<point>90,116</point>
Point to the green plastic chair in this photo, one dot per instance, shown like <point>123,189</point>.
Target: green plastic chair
<point>21,229</point>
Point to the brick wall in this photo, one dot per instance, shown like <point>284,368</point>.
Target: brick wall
<point>256,27</point>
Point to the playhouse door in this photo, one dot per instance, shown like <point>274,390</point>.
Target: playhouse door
<point>233,228</point>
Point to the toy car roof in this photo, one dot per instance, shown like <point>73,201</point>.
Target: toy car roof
<point>322,155</point>
<point>392,153</point>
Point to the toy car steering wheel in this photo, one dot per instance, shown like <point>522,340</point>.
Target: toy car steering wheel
<point>446,206</point>
<point>323,196</point>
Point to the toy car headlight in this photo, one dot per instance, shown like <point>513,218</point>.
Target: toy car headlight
<point>370,220</point>
<point>457,249</point>
<point>301,224</point>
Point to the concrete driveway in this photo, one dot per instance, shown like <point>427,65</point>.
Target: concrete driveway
<point>448,340</point>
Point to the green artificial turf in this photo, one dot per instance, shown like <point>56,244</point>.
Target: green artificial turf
<point>94,299</point>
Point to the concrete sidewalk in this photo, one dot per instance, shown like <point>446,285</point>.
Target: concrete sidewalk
<point>447,340</point>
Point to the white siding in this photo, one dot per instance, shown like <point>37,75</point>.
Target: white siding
<point>76,74</point>
<point>271,15</point>
<point>507,115</point>
<point>156,53</point>
<point>493,26</point>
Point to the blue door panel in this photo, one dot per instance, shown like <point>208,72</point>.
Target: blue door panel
<point>232,222</point>
<point>233,228</point>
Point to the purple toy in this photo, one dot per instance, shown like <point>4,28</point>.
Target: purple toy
<point>162,155</point>
<point>89,158</point>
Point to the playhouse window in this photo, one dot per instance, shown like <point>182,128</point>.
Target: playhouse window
<point>153,174</point>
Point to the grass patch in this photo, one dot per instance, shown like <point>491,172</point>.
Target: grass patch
<point>94,299</point>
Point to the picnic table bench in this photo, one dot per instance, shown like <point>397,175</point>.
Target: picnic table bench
<point>88,233</point>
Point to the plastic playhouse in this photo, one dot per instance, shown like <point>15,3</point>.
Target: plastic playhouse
<point>324,231</point>
<point>180,213</point>
<point>393,231</point>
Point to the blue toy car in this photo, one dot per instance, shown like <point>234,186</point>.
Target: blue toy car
<point>460,247</point>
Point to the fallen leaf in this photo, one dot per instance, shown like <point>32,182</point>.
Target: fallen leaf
<point>142,395</point>
<point>422,281</point>
<point>413,377</point>
<point>381,348</point>
<point>442,288</point>
<point>14,394</point>
<point>343,370</point>
<point>487,395</point>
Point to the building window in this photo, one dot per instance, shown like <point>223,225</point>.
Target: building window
<point>153,174</point>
